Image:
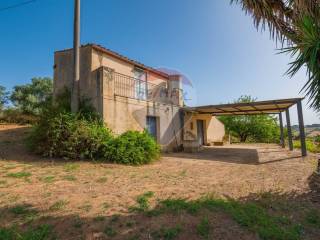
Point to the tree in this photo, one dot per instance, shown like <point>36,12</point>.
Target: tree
<point>3,97</point>
<point>30,98</point>
<point>257,128</point>
<point>297,23</point>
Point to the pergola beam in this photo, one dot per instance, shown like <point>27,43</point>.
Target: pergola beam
<point>268,111</point>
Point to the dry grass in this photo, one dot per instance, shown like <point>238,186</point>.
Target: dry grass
<point>93,200</point>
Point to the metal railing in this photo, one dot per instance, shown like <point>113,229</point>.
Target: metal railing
<point>130,87</point>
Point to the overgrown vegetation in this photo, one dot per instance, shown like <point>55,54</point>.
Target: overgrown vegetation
<point>311,145</point>
<point>83,135</point>
<point>43,232</point>
<point>250,215</point>
<point>252,128</point>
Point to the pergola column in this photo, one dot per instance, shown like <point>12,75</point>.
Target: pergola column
<point>289,129</point>
<point>301,129</point>
<point>282,143</point>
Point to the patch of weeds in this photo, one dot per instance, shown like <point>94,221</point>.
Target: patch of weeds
<point>110,232</point>
<point>3,182</point>
<point>183,173</point>
<point>105,205</point>
<point>135,237</point>
<point>99,218</point>
<point>28,180</point>
<point>20,209</point>
<point>102,180</point>
<point>69,178</point>
<point>257,219</point>
<point>203,228</point>
<point>86,207</point>
<point>19,175</point>
<point>114,218</point>
<point>6,142</point>
<point>13,198</point>
<point>78,222</point>
<point>48,179</point>
<point>166,233</point>
<point>313,218</point>
<point>47,194</point>
<point>70,167</point>
<point>178,205</point>
<point>249,215</point>
<point>43,232</point>
<point>283,220</point>
<point>130,223</point>
<point>59,205</point>
<point>143,202</point>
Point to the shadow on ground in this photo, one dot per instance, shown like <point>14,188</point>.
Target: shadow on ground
<point>267,215</point>
<point>240,155</point>
<point>229,155</point>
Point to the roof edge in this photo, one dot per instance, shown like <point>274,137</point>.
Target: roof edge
<point>120,57</point>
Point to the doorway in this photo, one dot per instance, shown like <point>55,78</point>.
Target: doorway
<point>200,132</point>
<point>152,126</point>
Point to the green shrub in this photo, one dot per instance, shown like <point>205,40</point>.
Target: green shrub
<point>133,147</point>
<point>12,115</point>
<point>311,147</point>
<point>60,133</point>
<point>69,136</point>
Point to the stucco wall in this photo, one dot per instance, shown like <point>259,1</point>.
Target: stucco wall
<point>63,70</point>
<point>213,129</point>
<point>122,114</point>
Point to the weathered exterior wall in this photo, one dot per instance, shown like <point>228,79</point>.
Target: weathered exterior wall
<point>63,70</point>
<point>122,114</point>
<point>213,130</point>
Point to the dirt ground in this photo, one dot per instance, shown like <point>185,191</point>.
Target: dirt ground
<point>64,193</point>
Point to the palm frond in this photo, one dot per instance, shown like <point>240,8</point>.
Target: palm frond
<point>298,22</point>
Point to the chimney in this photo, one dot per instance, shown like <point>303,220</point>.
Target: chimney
<point>175,90</point>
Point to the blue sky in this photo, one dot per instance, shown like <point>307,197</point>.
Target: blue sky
<point>211,42</point>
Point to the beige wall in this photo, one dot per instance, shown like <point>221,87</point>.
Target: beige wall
<point>214,129</point>
<point>122,114</point>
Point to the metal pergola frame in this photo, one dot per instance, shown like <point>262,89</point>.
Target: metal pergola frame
<point>262,107</point>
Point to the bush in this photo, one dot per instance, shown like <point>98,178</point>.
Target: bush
<point>69,136</point>
<point>60,133</point>
<point>134,148</point>
<point>12,115</point>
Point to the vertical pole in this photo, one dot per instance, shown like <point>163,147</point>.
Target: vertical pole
<point>75,93</point>
<point>289,130</point>
<point>301,128</point>
<point>282,143</point>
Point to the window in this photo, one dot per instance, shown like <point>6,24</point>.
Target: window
<point>140,84</point>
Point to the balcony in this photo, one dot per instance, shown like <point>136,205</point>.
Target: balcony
<point>126,86</point>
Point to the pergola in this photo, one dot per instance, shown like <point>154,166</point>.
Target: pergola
<point>262,107</point>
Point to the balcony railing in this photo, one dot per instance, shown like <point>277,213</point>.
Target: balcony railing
<point>130,87</point>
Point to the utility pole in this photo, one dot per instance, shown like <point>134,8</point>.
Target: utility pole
<point>75,92</point>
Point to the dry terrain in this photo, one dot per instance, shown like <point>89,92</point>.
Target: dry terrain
<point>94,200</point>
